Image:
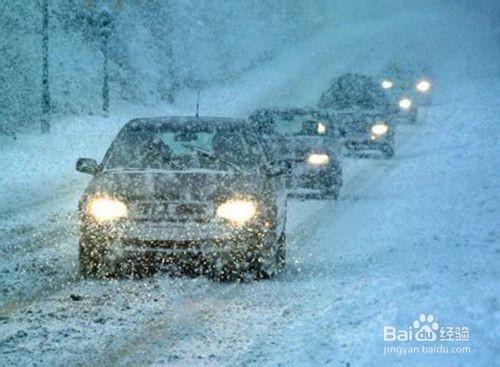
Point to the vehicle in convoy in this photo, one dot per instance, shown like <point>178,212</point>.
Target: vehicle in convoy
<point>194,192</point>
<point>408,86</point>
<point>306,138</point>
<point>362,113</point>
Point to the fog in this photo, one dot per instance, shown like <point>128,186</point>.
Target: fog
<point>158,48</point>
<point>249,182</point>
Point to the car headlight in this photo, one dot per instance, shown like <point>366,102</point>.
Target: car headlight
<point>387,84</point>
<point>237,211</point>
<point>316,159</point>
<point>106,209</point>
<point>405,103</point>
<point>321,129</point>
<point>379,129</point>
<point>423,86</point>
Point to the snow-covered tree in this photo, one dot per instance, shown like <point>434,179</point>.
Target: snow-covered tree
<point>156,48</point>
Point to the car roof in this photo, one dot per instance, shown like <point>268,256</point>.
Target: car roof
<point>146,123</point>
<point>295,110</point>
<point>269,112</point>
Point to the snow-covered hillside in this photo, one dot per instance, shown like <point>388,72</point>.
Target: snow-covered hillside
<point>159,48</point>
<point>156,48</point>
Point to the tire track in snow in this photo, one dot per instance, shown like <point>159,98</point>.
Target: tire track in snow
<point>185,321</point>
<point>33,264</point>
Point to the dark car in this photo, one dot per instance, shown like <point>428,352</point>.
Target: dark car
<point>409,87</point>
<point>362,113</point>
<point>306,138</point>
<point>184,190</point>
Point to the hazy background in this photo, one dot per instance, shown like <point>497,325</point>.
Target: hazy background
<point>158,48</point>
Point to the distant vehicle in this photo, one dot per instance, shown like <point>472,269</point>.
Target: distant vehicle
<point>362,113</point>
<point>306,138</point>
<point>184,190</point>
<point>409,87</point>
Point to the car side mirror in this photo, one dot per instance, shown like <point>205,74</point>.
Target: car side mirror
<point>87,165</point>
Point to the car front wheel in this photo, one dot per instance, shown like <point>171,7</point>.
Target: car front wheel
<point>388,150</point>
<point>333,189</point>
<point>263,261</point>
<point>281,253</point>
<point>265,264</point>
<point>91,260</point>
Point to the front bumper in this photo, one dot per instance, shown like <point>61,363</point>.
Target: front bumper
<point>423,99</point>
<point>316,178</point>
<point>366,142</point>
<point>131,238</point>
<point>407,115</point>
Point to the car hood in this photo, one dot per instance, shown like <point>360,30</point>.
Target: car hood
<point>298,147</point>
<point>360,122</point>
<point>189,185</point>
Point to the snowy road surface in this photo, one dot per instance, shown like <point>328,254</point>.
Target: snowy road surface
<point>414,234</point>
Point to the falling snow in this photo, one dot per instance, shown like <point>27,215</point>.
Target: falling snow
<point>388,211</point>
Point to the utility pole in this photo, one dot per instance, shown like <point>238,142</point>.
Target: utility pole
<point>106,27</point>
<point>198,104</point>
<point>45,121</point>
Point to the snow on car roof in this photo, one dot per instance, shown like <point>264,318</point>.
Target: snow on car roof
<point>294,110</point>
<point>181,121</point>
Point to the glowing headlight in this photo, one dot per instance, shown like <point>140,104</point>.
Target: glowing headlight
<point>387,84</point>
<point>237,211</point>
<point>321,129</point>
<point>405,103</point>
<point>318,159</point>
<point>423,86</point>
<point>106,209</point>
<point>379,129</point>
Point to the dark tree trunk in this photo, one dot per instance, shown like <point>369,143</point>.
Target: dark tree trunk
<point>45,122</point>
<point>105,86</point>
<point>106,25</point>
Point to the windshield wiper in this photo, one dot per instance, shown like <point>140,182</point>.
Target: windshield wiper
<point>206,153</point>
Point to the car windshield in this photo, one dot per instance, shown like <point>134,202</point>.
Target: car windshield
<point>291,124</point>
<point>183,147</point>
<point>404,74</point>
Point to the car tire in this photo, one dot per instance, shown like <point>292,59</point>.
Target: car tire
<point>265,266</point>
<point>92,262</point>
<point>332,192</point>
<point>262,262</point>
<point>90,259</point>
<point>281,253</point>
<point>388,150</point>
<point>414,116</point>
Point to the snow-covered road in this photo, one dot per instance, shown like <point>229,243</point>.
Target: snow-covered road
<point>415,234</point>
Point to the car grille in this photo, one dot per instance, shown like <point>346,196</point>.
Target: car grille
<point>171,211</point>
<point>174,245</point>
